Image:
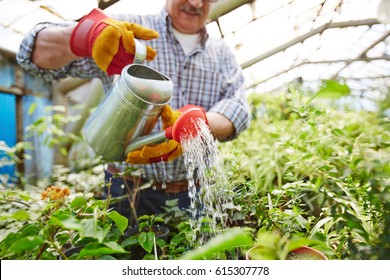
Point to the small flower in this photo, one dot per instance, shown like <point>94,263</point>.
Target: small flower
<point>55,193</point>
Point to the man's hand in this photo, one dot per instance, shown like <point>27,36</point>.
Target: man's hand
<point>165,151</point>
<point>110,42</point>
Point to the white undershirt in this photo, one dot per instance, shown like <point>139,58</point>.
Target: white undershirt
<point>189,42</point>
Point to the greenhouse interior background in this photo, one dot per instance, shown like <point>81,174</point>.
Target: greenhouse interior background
<point>280,45</point>
<point>277,43</point>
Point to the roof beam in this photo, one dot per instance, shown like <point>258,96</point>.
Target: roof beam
<point>223,7</point>
<point>346,61</point>
<point>103,4</point>
<point>305,36</point>
<point>363,54</point>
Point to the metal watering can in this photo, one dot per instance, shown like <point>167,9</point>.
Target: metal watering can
<point>130,109</point>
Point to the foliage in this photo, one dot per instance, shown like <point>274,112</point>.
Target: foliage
<point>42,228</point>
<point>307,168</point>
<point>231,238</point>
<point>307,172</point>
<point>10,156</point>
<point>52,126</point>
<point>148,236</point>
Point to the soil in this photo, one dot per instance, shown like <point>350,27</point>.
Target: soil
<point>302,256</point>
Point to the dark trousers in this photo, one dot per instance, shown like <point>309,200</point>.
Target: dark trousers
<point>148,201</point>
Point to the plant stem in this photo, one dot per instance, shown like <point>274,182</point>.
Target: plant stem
<point>155,248</point>
<point>20,202</point>
<point>132,196</point>
<point>108,199</point>
<point>133,210</point>
<point>269,218</point>
<point>44,246</point>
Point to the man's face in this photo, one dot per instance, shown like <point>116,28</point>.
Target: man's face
<point>188,16</point>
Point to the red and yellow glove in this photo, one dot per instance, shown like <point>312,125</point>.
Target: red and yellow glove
<point>165,151</point>
<point>109,42</point>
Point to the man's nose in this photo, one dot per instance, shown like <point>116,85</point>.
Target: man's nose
<point>196,3</point>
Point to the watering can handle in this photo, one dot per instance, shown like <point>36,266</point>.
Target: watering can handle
<point>140,51</point>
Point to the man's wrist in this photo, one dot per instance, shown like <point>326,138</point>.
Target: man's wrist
<point>51,49</point>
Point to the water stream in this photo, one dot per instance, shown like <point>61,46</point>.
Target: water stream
<point>205,169</point>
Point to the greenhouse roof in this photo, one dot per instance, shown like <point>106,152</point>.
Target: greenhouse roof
<point>276,42</point>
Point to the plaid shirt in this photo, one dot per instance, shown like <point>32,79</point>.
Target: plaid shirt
<point>209,77</point>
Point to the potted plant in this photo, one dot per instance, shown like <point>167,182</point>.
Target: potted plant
<point>300,253</point>
<point>306,253</point>
<point>273,246</point>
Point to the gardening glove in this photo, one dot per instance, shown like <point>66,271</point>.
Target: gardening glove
<point>109,42</point>
<point>165,151</point>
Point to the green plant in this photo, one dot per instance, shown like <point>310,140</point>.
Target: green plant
<point>132,191</point>
<point>52,126</point>
<point>148,237</point>
<point>43,228</point>
<point>13,156</point>
<point>310,167</point>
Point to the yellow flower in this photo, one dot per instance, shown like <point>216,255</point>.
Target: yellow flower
<point>55,193</point>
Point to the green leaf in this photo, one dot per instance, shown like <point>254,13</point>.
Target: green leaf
<point>132,240</point>
<point>178,239</point>
<point>114,246</point>
<point>92,229</point>
<point>24,195</point>
<point>32,108</point>
<point>158,219</point>
<point>144,225</point>
<point>160,242</point>
<point>120,221</point>
<point>27,243</point>
<point>144,217</point>
<point>319,224</point>
<point>66,221</point>
<point>108,248</point>
<point>98,203</point>
<point>267,239</point>
<point>338,132</point>
<point>20,215</point>
<point>332,89</point>
<point>146,240</point>
<point>148,257</point>
<point>232,238</point>
<point>356,225</point>
<point>63,151</point>
<point>78,202</point>
<point>30,230</point>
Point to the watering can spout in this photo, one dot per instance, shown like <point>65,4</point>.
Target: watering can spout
<point>187,123</point>
<point>185,126</point>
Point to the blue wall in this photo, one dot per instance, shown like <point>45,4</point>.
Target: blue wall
<point>40,164</point>
<point>7,128</point>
